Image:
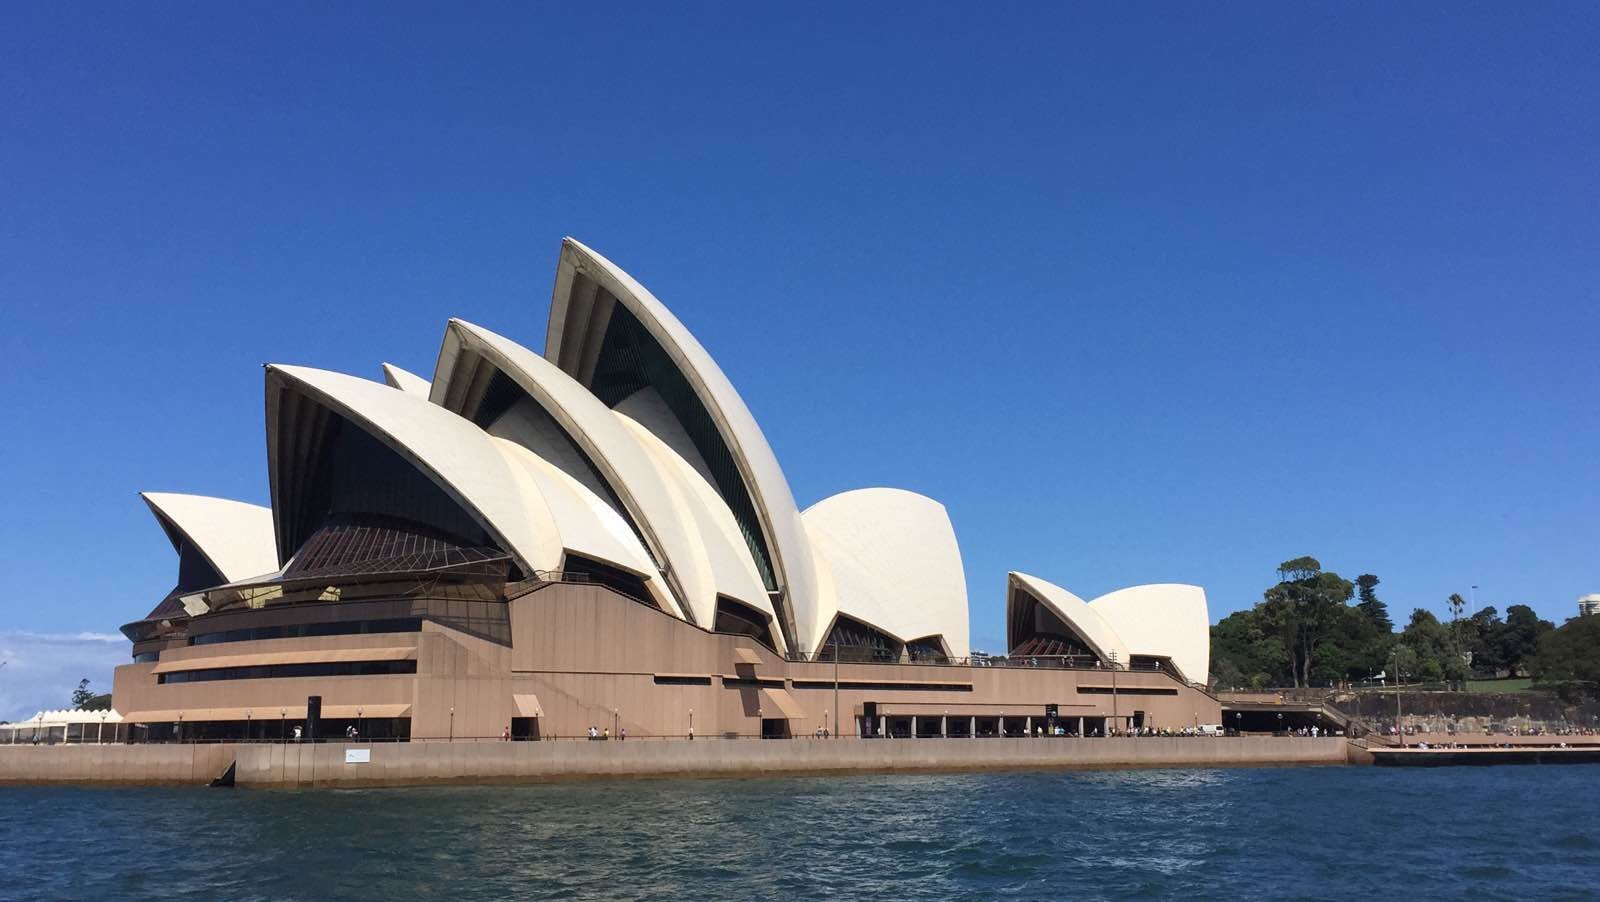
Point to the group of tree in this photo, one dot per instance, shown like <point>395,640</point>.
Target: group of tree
<point>1568,659</point>
<point>86,699</point>
<point>1305,632</point>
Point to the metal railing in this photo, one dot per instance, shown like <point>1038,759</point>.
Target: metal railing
<point>1050,662</point>
<point>729,736</point>
<point>542,578</point>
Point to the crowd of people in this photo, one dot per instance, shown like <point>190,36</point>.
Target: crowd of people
<point>1414,729</point>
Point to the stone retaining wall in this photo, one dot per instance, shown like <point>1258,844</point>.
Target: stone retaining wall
<point>496,761</point>
<point>114,764</point>
<point>396,764</point>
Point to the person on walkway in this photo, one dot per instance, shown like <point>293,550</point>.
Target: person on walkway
<point>505,735</point>
<point>623,735</point>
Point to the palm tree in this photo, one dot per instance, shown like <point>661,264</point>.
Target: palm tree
<point>1457,606</point>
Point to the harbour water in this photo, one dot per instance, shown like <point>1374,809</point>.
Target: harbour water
<point>1308,832</point>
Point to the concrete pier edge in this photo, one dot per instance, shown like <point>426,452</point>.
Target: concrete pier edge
<point>413,764</point>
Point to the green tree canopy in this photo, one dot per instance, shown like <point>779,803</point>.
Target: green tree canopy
<point>1303,632</point>
<point>1480,631</point>
<point>1518,640</point>
<point>82,696</point>
<point>1405,662</point>
<point>1245,655</point>
<point>1304,609</point>
<point>1433,646</point>
<point>1299,568</point>
<point>1371,605</point>
<point>1569,657</point>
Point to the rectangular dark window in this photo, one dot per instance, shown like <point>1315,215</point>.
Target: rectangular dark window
<point>884,687</point>
<point>278,671</point>
<point>299,630</point>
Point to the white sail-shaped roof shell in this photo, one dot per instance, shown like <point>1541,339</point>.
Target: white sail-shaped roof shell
<point>722,561</point>
<point>235,537</point>
<point>405,380</point>
<point>1103,639</point>
<point>1164,620</point>
<point>784,536</point>
<point>626,467</point>
<point>889,558</point>
<point>646,408</point>
<point>532,513</point>
<point>582,522</point>
<point>459,457</point>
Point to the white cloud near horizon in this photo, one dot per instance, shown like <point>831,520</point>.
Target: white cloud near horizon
<point>40,670</point>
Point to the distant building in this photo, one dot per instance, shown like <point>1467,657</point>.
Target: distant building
<point>1589,604</point>
<point>66,725</point>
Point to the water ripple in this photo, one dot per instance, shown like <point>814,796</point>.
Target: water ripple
<point>1306,833</point>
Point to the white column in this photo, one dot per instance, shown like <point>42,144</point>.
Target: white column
<point>914,733</point>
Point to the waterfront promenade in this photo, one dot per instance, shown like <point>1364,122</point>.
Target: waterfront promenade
<point>399,764</point>
<point>1434,756</point>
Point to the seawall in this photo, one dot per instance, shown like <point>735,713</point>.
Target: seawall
<point>401,764</point>
<point>128,765</point>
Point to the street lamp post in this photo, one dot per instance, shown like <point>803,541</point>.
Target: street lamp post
<point>1113,688</point>
<point>247,725</point>
<point>1460,652</point>
<point>1398,729</point>
<point>283,728</point>
<point>835,677</point>
<point>452,723</point>
<point>691,723</point>
<point>360,725</point>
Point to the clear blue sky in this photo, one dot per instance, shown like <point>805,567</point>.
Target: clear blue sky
<point>1167,295</point>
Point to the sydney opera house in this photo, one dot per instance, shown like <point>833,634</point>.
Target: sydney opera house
<point>600,536</point>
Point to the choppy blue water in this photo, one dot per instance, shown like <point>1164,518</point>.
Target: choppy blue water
<point>1314,833</point>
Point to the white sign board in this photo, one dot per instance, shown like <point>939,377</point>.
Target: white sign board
<point>358,756</point>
